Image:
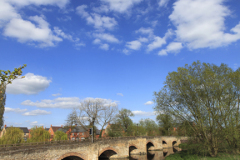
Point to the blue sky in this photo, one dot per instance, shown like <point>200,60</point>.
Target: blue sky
<point>119,50</point>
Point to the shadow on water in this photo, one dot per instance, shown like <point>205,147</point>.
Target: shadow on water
<point>151,155</point>
<point>72,158</point>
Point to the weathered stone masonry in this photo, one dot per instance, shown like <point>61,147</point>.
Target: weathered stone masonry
<point>87,150</point>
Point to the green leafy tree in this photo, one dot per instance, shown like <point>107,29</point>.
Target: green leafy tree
<point>39,134</point>
<point>7,77</point>
<point>115,130</point>
<point>208,96</point>
<point>165,122</point>
<point>60,136</point>
<point>123,118</point>
<point>13,135</point>
<point>150,126</point>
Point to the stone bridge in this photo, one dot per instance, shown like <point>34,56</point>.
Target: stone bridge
<point>86,150</point>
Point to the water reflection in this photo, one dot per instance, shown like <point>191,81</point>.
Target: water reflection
<point>153,155</point>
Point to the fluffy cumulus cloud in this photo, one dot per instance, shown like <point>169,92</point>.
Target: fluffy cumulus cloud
<point>31,84</point>
<point>106,37</point>
<point>104,46</point>
<point>121,6</point>
<point>17,110</point>
<point>33,30</point>
<point>149,103</point>
<point>172,47</point>
<point>98,21</point>
<point>66,102</point>
<point>22,3</point>
<point>143,113</point>
<point>27,31</point>
<point>200,23</point>
<point>158,41</point>
<point>135,45</point>
<point>36,112</point>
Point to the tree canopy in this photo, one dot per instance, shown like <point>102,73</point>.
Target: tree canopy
<point>13,135</point>
<point>208,96</point>
<point>39,134</point>
<point>123,118</point>
<point>60,136</point>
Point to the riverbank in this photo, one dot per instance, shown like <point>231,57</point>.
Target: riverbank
<point>183,155</point>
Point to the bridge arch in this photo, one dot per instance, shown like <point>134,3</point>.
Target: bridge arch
<point>72,154</point>
<point>109,152</point>
<point>132,147</point>
<point>150,144</point>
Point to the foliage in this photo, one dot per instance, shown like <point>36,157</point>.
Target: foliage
<point>165,121</point>
<point>39,134</point>
<point>60,136</point>
<point>150,126</point>
<point>123,118</point>
<point>7,77</point>
<point>208,96</point>
<point>115,130</point>
<point>13,135</point>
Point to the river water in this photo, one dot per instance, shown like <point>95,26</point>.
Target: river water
<point>152,155</point>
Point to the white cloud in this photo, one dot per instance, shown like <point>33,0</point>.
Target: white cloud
<point>59,32</point>
<point>172,47</point>
<point>26,31</point>
<point>104,46</point>
<point>64,102</point>
<point>18,110</point>
<point>135,45</point>
<point>121,6</point>
<point>31,84</point>
<point>33,123</point>
<point>7,12</point>
<point>97,41</point>
<point>36,112</point>
<point>149,103</point>
<point>22,3</point>
<point>143,39</point>
<point>162,3</point>
<point>142,30</point>
<point>200,23</point>
<point>126,51</point>
<point>143,113</point>
<point>98,21</point>
<point>120,94</point>
<point>158,41</point>
<point>107,37</point>
<point>57,94</point>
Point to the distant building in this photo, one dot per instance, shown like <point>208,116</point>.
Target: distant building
<point>25,130</point>
<point>52,130</point>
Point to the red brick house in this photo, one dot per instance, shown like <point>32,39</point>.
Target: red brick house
<point>52,130</point>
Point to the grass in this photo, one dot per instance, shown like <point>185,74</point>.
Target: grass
<point>183,155</point>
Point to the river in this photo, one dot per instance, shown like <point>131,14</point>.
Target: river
<point>152,155</point>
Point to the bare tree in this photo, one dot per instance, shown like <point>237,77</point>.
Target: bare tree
<point>95,110</point>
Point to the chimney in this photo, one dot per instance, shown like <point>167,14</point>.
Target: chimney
<point>62,126</point>
<point>76,125</point>
<point>51,125</point>
<point>5,126</point>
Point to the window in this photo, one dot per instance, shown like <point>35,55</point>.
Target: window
<point>73,138</point>
<point>83,133</point>
<point>72,134</point>
<point>77,133</point>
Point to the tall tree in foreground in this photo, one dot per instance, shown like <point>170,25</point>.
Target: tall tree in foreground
<point>7,77</point>
<point>208,96</point>
<point>165,122</point>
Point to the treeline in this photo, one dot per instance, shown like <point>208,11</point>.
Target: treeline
<point>14,135</point>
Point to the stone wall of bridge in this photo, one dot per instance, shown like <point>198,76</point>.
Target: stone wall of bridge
<point>87,150</point>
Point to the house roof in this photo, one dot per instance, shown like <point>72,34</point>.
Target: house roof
<point>24,129</point>
<point>78,129</point>
<point>47,129</point>
<point>63,130</point>
<point>55,128</point>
